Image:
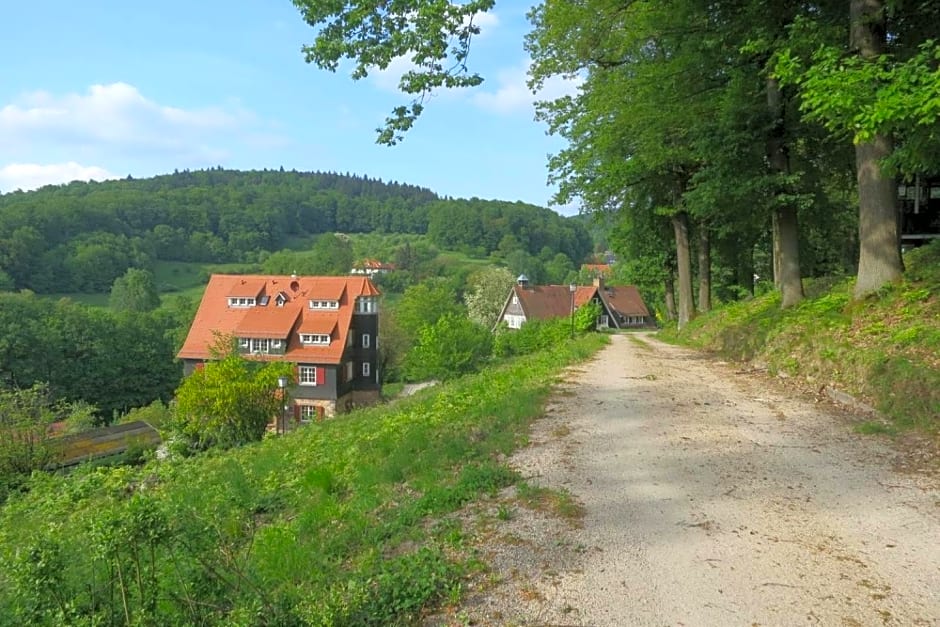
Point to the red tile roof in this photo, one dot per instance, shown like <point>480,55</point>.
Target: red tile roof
<point>271,322</point>
<point>540,302</point>
<point>216,319</point>
<point>247,287</point>
<point>601,269</point>
<point>626,300</point>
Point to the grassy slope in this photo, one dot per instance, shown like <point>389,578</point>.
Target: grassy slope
<point>884,350</point>
<point>345,522</point>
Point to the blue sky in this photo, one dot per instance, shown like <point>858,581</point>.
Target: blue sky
<point>110,88</point>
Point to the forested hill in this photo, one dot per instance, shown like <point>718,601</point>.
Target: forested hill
<point>81,236</point>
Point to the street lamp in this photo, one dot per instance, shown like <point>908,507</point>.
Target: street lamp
<point>282,382</point>
<point>571,288</point>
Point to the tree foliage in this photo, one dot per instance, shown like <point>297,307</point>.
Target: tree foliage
<point>228,402</point>
<point>487,292</point>
<point>134,291</point>
<point>453,346</point>
<point>114,361</point>
<point>81,237</point>
<point>434,36</point>
<point>724,120</point>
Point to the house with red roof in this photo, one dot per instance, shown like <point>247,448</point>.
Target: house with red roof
<point>594,270</point>
<point>371,267</point>
<point>622,307</point>
<point>326,326</point>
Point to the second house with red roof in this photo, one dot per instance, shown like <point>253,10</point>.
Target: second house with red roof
<point>326,326</point>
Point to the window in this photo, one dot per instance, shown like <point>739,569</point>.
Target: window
<point>314,338</point>
<point>307,375</point>
<point>241,302</point>
<point>324,304</point>
<point>515,299</point>
<point>349,370</point>
<point>366,368</point>
<point>603,320</point>
<point>366,340</point>
<point>514,322</point>
<point>260,345</point>
<point>308,413</point>
<point>367,305</point>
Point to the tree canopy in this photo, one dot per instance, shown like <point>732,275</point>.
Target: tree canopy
<point>730,122</point>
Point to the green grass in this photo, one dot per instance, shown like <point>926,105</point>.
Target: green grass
<point>884,349</point>
<point>347,522</point>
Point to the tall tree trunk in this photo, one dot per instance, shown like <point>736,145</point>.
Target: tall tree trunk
<point>879,260</point>
<point>775,245</point>
<point>745,269</point>
<point>670,295</point>
<point>786,228</point>
<point>704,269</point>
<point>680,224</point>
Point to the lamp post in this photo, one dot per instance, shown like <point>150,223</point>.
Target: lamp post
<point>571,288</point>
<point>282,382</point>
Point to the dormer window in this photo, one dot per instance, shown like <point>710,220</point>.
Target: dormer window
<point>324,304</point>
<point>367,305</point>
<point>239,301</point>
<point>281,298</point>
<point>260,345</point>
<point>318,339</point>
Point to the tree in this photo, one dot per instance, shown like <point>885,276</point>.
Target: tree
<point>228,402</point>
<point>423,304</point>
<point>880,91</point>
<point>135,291</point>
<point>451,347</point>
<point>487,293</point>
<point>434,36</point>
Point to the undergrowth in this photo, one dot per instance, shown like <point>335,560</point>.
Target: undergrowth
<point>884,349</point>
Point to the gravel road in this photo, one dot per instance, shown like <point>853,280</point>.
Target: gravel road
<point>710,497</point>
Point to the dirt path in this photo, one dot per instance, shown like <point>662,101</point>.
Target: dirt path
<point>709,499</point>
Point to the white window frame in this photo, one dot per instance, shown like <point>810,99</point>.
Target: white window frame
<point>366,340</point>
<point>349,371</point>
<point>324,304</point>
<point>261,345</point>
<point>307,375</point>
<point>238,301</point>
<point>316,339</point>
<point>308,413</point>
<point>366,369</point>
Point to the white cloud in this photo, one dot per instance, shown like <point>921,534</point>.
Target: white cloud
<point>512,94</point>
<point>27,176</point>
<point>115,117</point>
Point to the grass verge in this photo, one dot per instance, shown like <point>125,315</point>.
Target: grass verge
<point>884,350</point>
<point>343,523</point>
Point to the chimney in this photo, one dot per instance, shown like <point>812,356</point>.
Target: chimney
<point>599,282</point>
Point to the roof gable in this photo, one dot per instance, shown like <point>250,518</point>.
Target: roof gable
<point>625,300</point>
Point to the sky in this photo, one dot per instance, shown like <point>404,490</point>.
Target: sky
<point>108,88</point>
